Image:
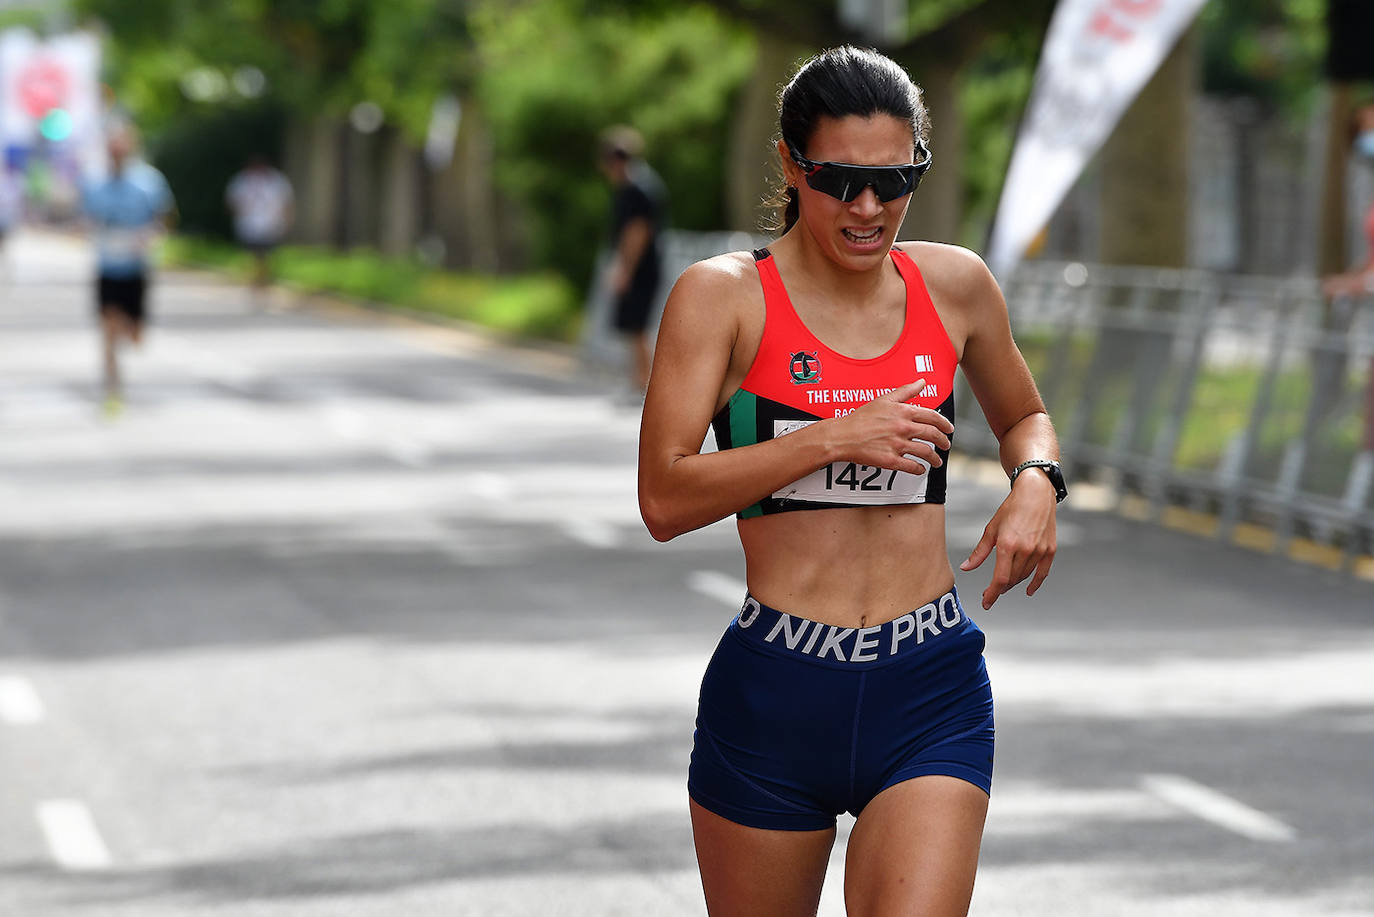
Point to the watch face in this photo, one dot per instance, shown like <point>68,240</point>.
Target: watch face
<point>1057,479</point>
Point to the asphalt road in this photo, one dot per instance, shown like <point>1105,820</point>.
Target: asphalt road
<point>353,615</point>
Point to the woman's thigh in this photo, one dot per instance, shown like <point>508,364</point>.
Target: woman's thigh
<point>914,850</point>
<point>754,872</point>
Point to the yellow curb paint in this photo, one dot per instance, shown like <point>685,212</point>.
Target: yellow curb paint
<point>1137,508</point>
<point>1255,537</point>
<point>1191,521</point>
<point>1310,552</point>
<point>1363,568</point>
<point>1100,498</point>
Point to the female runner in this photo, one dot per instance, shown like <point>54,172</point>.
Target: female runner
<point>851,679</point>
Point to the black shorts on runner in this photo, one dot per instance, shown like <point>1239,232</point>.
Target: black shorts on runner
<point>124,294</point>
<point>633,306</point>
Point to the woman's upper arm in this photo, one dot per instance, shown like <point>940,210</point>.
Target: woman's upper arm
<point>691,358</point>
<point>991,361</point>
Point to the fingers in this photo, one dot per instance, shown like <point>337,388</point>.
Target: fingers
<point>980,551</point>
<point>910,465</point>
<point>1042,570</point>
<point>1014,564</point>
<point>930,417</point>
<point>1001,578</point>
<point>905,392</point>
<point>920,450</point>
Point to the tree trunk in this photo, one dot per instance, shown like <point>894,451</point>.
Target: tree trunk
<point>465,198</point>
<point>400,211</point>
<point>360,189</point>
<point>313,164</point>
<point>1332,257</point>
<point>752,175</point>
<point>1145,168</point>
<point>937,206</point>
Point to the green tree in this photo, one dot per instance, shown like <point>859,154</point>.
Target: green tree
<point>555,73</point>
<point>1267,50</point>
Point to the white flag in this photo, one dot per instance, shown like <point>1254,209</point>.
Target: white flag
<point>1097,57</point>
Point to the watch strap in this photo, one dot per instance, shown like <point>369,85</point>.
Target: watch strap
<point>1052,470</point>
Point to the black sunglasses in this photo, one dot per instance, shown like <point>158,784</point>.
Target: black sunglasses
<point>846,181</point>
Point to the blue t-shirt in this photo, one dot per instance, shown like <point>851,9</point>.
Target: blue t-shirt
<point>127,210</point>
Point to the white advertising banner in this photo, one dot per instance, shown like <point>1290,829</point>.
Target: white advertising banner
<point>1098,55</point>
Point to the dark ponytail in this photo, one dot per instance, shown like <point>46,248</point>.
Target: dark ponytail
<point>834,84</point>
<point>791,209</point>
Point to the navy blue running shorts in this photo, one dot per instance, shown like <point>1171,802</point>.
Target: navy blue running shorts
<point>798,721</point>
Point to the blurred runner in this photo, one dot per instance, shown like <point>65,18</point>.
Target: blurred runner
<point>127,209</point>
<point>637,217</point>
<point>263,205</point>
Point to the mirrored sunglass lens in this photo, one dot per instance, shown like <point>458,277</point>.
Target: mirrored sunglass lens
<point>847,183</point>
<point>890,185</point>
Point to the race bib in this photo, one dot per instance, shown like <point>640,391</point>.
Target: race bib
<point>119,243</point>
<point>850,482</point>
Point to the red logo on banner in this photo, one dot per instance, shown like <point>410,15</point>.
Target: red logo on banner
<point>42,85</point>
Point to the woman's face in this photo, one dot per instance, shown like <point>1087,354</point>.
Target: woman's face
<point>857,234</point>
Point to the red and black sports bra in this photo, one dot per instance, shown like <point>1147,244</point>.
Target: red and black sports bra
<point>796,380</point>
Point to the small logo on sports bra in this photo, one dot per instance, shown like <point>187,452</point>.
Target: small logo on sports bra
<point>804,367</point>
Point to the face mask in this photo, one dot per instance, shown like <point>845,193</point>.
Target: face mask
<point>1364,144</point>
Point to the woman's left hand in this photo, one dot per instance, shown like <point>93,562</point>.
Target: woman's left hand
<point>1023,532</point>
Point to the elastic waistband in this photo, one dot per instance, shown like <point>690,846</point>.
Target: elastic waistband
<point>849,646</point>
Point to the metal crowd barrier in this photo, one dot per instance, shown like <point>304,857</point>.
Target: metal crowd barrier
<point>1247,398</point>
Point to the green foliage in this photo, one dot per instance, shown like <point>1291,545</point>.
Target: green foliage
<point>318,57</point>
<point>992,94</point>
<point>1267,49</point>
<point>541,305</point>
<point>22,19</point>
<point>553,79</point>
<point>931,14</point>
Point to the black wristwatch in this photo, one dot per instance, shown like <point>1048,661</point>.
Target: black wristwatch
<point>1051,468</point>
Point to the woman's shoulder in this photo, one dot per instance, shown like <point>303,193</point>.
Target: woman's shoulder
<point>943,259</point>
<point>718,281</point>
<point>952,272</point>
<point>722,271</point>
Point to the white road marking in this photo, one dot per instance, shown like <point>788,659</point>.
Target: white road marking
<point>203,363</point>
<point>410,452</point>
<point>718,586</point>
<point>72,836</point>
<point>592,532</point>
<point>345,422</point>
<point>1217,808</point>
<point>19,702</point>
<point>491,486</point>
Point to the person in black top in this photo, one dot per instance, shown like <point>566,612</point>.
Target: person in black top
<point>637,217</point>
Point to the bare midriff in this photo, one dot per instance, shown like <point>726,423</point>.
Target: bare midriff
<point>848,566</point>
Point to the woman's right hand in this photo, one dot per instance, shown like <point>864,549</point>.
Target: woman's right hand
<point>884,432</point>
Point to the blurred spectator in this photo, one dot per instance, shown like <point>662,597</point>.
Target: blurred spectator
<point>127,209</point>
<point>263,205</point>
<point>637,217</point>
<point>1359,281</point>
